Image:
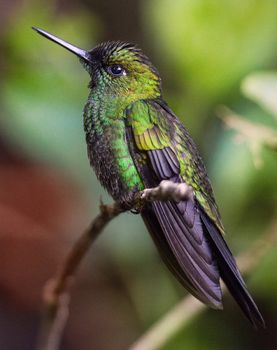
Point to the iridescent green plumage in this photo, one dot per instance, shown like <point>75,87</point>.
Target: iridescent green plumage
<point>135,141</point>
<point>156,127</point>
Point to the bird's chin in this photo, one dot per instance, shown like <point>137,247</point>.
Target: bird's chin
<point>92,84</point>
<point>85,64</point>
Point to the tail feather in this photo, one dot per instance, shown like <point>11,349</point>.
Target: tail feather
<point>231,275</point>
<point>198,255</point>
<point>225,262</point>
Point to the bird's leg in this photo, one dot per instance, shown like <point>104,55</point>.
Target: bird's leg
<point>132,201</point>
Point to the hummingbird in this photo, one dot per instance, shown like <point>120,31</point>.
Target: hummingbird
<point>134,141</point>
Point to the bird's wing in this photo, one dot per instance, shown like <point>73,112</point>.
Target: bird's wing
<point>171,151</point>
<point>179,234</point>
<point>188,234</point>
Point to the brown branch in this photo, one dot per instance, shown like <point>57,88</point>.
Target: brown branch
<point>56,292</point>
<point>188,308</point>
<point>168,190</point>
<point>56,295</point>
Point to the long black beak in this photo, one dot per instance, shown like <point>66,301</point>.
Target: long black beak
<point>76,50</point>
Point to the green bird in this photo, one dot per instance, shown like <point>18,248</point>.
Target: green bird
<point>135,141</point>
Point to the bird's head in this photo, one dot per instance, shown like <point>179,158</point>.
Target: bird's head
<point>117,68</point>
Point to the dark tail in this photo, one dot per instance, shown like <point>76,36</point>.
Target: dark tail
<point>198,265</point>
<point>231,275</point>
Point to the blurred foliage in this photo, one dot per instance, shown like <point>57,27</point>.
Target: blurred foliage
<point>262,88</point>
<point>41,113</point>
<point>213,45</point>
<point>204,50</point>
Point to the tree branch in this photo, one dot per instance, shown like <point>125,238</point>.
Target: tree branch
<point>56,292</point>
<point>166,191</point>
<point>56,295</point>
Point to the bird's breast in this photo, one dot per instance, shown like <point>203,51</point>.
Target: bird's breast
<point>109,155</point>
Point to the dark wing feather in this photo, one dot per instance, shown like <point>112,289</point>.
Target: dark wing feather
<point>164,249</point>
<point>189,241</point>
<point>164,163</point>
<point>182,230</point>
<point>194,259</point>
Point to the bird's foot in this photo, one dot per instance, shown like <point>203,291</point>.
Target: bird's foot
<point>132,201</point>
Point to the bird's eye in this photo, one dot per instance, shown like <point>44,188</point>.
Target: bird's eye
<point>116,70</point>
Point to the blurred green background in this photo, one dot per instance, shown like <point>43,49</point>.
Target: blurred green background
<point>205,51</point>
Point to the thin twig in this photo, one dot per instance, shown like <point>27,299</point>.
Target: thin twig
<point>188,308</point>
<point>251,132</point>
<point>255,135</point>
<point>56,292</point>
<point>168,190</point>
<point>56,295</point>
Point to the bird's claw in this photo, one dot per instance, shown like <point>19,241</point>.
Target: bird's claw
<point>132,201</point>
